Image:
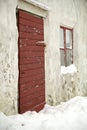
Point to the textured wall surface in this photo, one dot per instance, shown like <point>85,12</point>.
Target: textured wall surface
<point>8,57</point>
<point>69,13</point>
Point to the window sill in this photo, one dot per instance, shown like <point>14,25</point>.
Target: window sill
<point>69,69</point>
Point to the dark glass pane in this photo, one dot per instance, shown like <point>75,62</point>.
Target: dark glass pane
<point>69,39</point>
<point>62,57</point>
<point>69,57</point>
<point>61,38</point>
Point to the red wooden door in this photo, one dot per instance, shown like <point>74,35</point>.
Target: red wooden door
<point>31,62</point>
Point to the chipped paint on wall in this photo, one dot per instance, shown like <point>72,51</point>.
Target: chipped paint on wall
<point>8,57</point>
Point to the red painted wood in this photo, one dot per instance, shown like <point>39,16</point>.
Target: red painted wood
<point>32,95</point>
<point>35,26</point>
<point>31,60</point>
<point>30,17</point>
<point>37,108</point>
<point>29,79</point>
<point>29,29</point>
<point>31,63</point>
<point>31,54</point>
<point>31,48</point>
<point>32,84</point>
<point>31,36</point>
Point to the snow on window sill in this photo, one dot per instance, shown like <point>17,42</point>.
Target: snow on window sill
<point>69,69</point>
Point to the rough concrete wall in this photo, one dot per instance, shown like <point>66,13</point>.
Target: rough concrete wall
<point>79,84</point>
<point>69,86</point>
<point>81,41</point>
<point>70,13</point>
<point>8,57</point>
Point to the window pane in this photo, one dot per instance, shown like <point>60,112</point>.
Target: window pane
<point>66,54</point>
<point>69,57</point>
<point>61,38</point>
<point>68,39</point>
<point>62,57</point>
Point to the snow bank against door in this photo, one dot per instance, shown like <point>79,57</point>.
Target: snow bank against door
<point>71,115</point>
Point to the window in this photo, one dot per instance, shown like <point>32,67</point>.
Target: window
<point>66,46</point>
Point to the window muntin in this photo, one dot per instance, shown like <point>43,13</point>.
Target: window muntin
<point>66,46</point>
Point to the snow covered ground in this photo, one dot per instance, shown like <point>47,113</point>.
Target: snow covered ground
<point>71,115</point>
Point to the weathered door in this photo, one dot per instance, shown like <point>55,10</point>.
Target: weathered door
<point>31,62</point>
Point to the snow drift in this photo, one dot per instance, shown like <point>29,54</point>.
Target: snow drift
<point>71,115</point>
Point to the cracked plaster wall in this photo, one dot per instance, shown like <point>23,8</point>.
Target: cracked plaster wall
<point>8,57</point>
<point>69,13</point>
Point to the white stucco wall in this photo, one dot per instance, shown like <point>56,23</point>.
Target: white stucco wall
<point>8,57</point>
<point>70,13</point>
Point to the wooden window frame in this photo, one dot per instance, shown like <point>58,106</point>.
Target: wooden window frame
<point>66,48</point>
